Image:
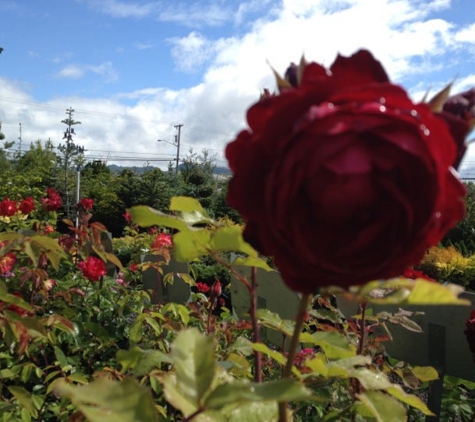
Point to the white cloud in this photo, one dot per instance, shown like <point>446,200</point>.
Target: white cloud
<point>197,14</point>
<point>466,34</point>
<point>142,46</point>
<point>121,9</point>
<point>73,71</point>
<point>191,51</point>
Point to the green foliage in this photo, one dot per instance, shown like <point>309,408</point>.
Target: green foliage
<point>448,264</point>
<point>76,348</point>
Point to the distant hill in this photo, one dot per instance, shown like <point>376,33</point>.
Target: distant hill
<point>142,169</point>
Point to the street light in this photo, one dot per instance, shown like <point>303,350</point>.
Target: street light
<point>177,146</point>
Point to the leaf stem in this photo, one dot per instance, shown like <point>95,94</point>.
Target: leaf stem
<point>299,320</point>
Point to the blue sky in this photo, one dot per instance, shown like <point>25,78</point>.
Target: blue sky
<point>133,70</point>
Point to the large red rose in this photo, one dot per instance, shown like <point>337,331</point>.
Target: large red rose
<point>342,178</point>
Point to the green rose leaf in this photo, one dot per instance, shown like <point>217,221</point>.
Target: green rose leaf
<point>430,293</point>
<point>334,344</point>
<point>104,399</point>
<point>229,238</point>
<point>252,261</point>
<point>192,354</point>
<point>25,399</point>
<point>191,244</point>
<point>186,204</point>
<point>141,362</point>
<point>382,407</point>
<point>425,373</point>
<point>50,246</point>
<point>12,299</point>
<point>280,391</point>
<point>410,399</point>
<point>146,216</point>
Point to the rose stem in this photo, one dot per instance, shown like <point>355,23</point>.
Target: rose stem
<point>362,328</point>
<point>362,325</point>
<point>255,326</point>
<point>304,303</point>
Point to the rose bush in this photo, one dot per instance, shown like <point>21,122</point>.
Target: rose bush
<point>342,178</point>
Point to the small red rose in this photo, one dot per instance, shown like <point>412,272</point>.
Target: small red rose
<point>8,208</point>
<point>86,203</point>
<point>27,205</point>
<point>93,268</point>
<point>52,201</point>
<point>162,241</point>
<point>202,287</point>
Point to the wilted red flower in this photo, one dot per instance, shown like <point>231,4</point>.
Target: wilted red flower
<point>459,112</point>
<point>413,274</point>
<point>8,208</point>
<point>27,205</point>
<point>66,241</point>
<point>93,269</point>
<point>133,267</point>
<point>52,201</point>
<point>7,262</point>
<point>470,333</point>
<point>163,240</point>
<point>202,287</point>
<point>342,178</point>
<point>86,203</point>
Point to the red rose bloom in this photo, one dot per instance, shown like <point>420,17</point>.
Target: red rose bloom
<point>413,274</point>
<point>342,178</point>
<point>162,241</point>
<point>86,203</point>
<point>53,201</point>
<point>27,205</point>
<point>202,287</point>
<point>8,208</point>
<point>93,269</point>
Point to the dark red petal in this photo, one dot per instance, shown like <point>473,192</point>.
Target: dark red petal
<point>359,69</point>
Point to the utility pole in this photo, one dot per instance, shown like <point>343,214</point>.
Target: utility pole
<point>69,150</point>
<point>177,141</point>
<point>19,138</point>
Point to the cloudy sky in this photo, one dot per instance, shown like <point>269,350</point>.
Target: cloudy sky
<point>134,69</point>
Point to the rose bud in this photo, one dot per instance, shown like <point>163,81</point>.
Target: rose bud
<point>459,113</point>
<point>216,289</point>
<point>343,179</point>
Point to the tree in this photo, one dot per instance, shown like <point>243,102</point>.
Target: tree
<point>99,183</point>
<point>197,172</point>
<point>464,231</point>
<point>72,157</point>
